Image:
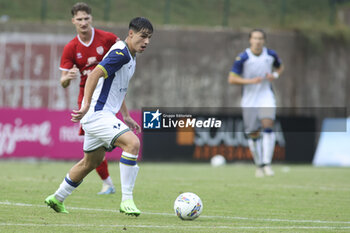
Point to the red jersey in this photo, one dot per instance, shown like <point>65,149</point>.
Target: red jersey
<point>86,56</point>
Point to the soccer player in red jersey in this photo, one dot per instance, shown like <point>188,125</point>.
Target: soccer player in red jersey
<point>81,55</point>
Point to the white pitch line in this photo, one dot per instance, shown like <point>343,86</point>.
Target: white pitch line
<point>202,216</point>
<point>172,226</point>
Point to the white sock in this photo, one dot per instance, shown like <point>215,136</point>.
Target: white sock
<point>255,147</point>
<point>66,188</point>
<point>108,181</point>
<point>268,144</point>
<point>128,174</point>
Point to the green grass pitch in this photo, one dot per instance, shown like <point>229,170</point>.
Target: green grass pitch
<point>300,198</point>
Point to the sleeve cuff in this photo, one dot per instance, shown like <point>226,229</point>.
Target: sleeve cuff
<point>104,70</point>
<point>234,73</point>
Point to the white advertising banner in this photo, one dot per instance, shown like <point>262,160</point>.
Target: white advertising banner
<point>333,148</point>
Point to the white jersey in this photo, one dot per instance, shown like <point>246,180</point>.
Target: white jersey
<point>118,66</point>
<point>249,66</point>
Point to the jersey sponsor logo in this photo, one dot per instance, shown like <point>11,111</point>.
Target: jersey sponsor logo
<point>119,53</point>
<point>238,58</point>
<point>100,50</point>
<point>91,61</point>
<point>79,56</point>
<point>86,72</point>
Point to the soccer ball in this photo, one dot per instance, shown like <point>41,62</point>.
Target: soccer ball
<point>188,206</point>
<point>217,161</point>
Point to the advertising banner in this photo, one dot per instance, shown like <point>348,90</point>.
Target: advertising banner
<point>42,133</point>
<point>333,148</point>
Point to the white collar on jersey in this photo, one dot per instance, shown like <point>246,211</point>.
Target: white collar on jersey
<point>127,47</point>
<point>264,49</point>
<point>91,40</point>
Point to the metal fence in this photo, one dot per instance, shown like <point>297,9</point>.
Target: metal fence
<point>225,13</point>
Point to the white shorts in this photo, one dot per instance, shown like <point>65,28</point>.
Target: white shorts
<point>102,129</point>
<point>252,117</point>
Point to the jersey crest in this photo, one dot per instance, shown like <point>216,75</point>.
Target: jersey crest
<point>100,50</point>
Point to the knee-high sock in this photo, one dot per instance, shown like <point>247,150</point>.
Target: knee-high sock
<point>66,188</point>
<point>255,146</point>
<point>268,144</point>
<point>102,170</point>
<point>128,174</point>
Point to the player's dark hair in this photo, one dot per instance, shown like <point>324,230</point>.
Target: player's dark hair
<point>140,23</point>
<point>81,6</point>
<point>257,30</point>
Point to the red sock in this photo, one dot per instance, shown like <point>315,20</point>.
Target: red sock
<point>102,170</point>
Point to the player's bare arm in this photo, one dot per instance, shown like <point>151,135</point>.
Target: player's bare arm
<point>279,70</point>
<point>90,86</point>
<point>131,123</point>
<point>234,78</point>
<point>67,76</point>
<point>275,74</point>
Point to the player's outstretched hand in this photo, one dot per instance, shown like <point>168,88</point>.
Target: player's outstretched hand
<point>132,124</point>
<point>77,115</point>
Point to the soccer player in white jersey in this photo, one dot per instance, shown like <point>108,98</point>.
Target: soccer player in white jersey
<point>255,69</point>
<point>81,55</point>
<point>104,96</point>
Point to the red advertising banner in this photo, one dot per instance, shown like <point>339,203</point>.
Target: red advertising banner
<point>42,133</point>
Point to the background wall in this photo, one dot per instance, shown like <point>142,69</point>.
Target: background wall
<point>181,67</point>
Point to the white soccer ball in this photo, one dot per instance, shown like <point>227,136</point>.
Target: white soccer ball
<point>217,161</point>
<point>188,206</point>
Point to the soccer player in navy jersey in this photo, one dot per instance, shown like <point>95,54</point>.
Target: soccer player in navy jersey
<point>104,96</point>
<point>81,55</point>
<point>255,69</point>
